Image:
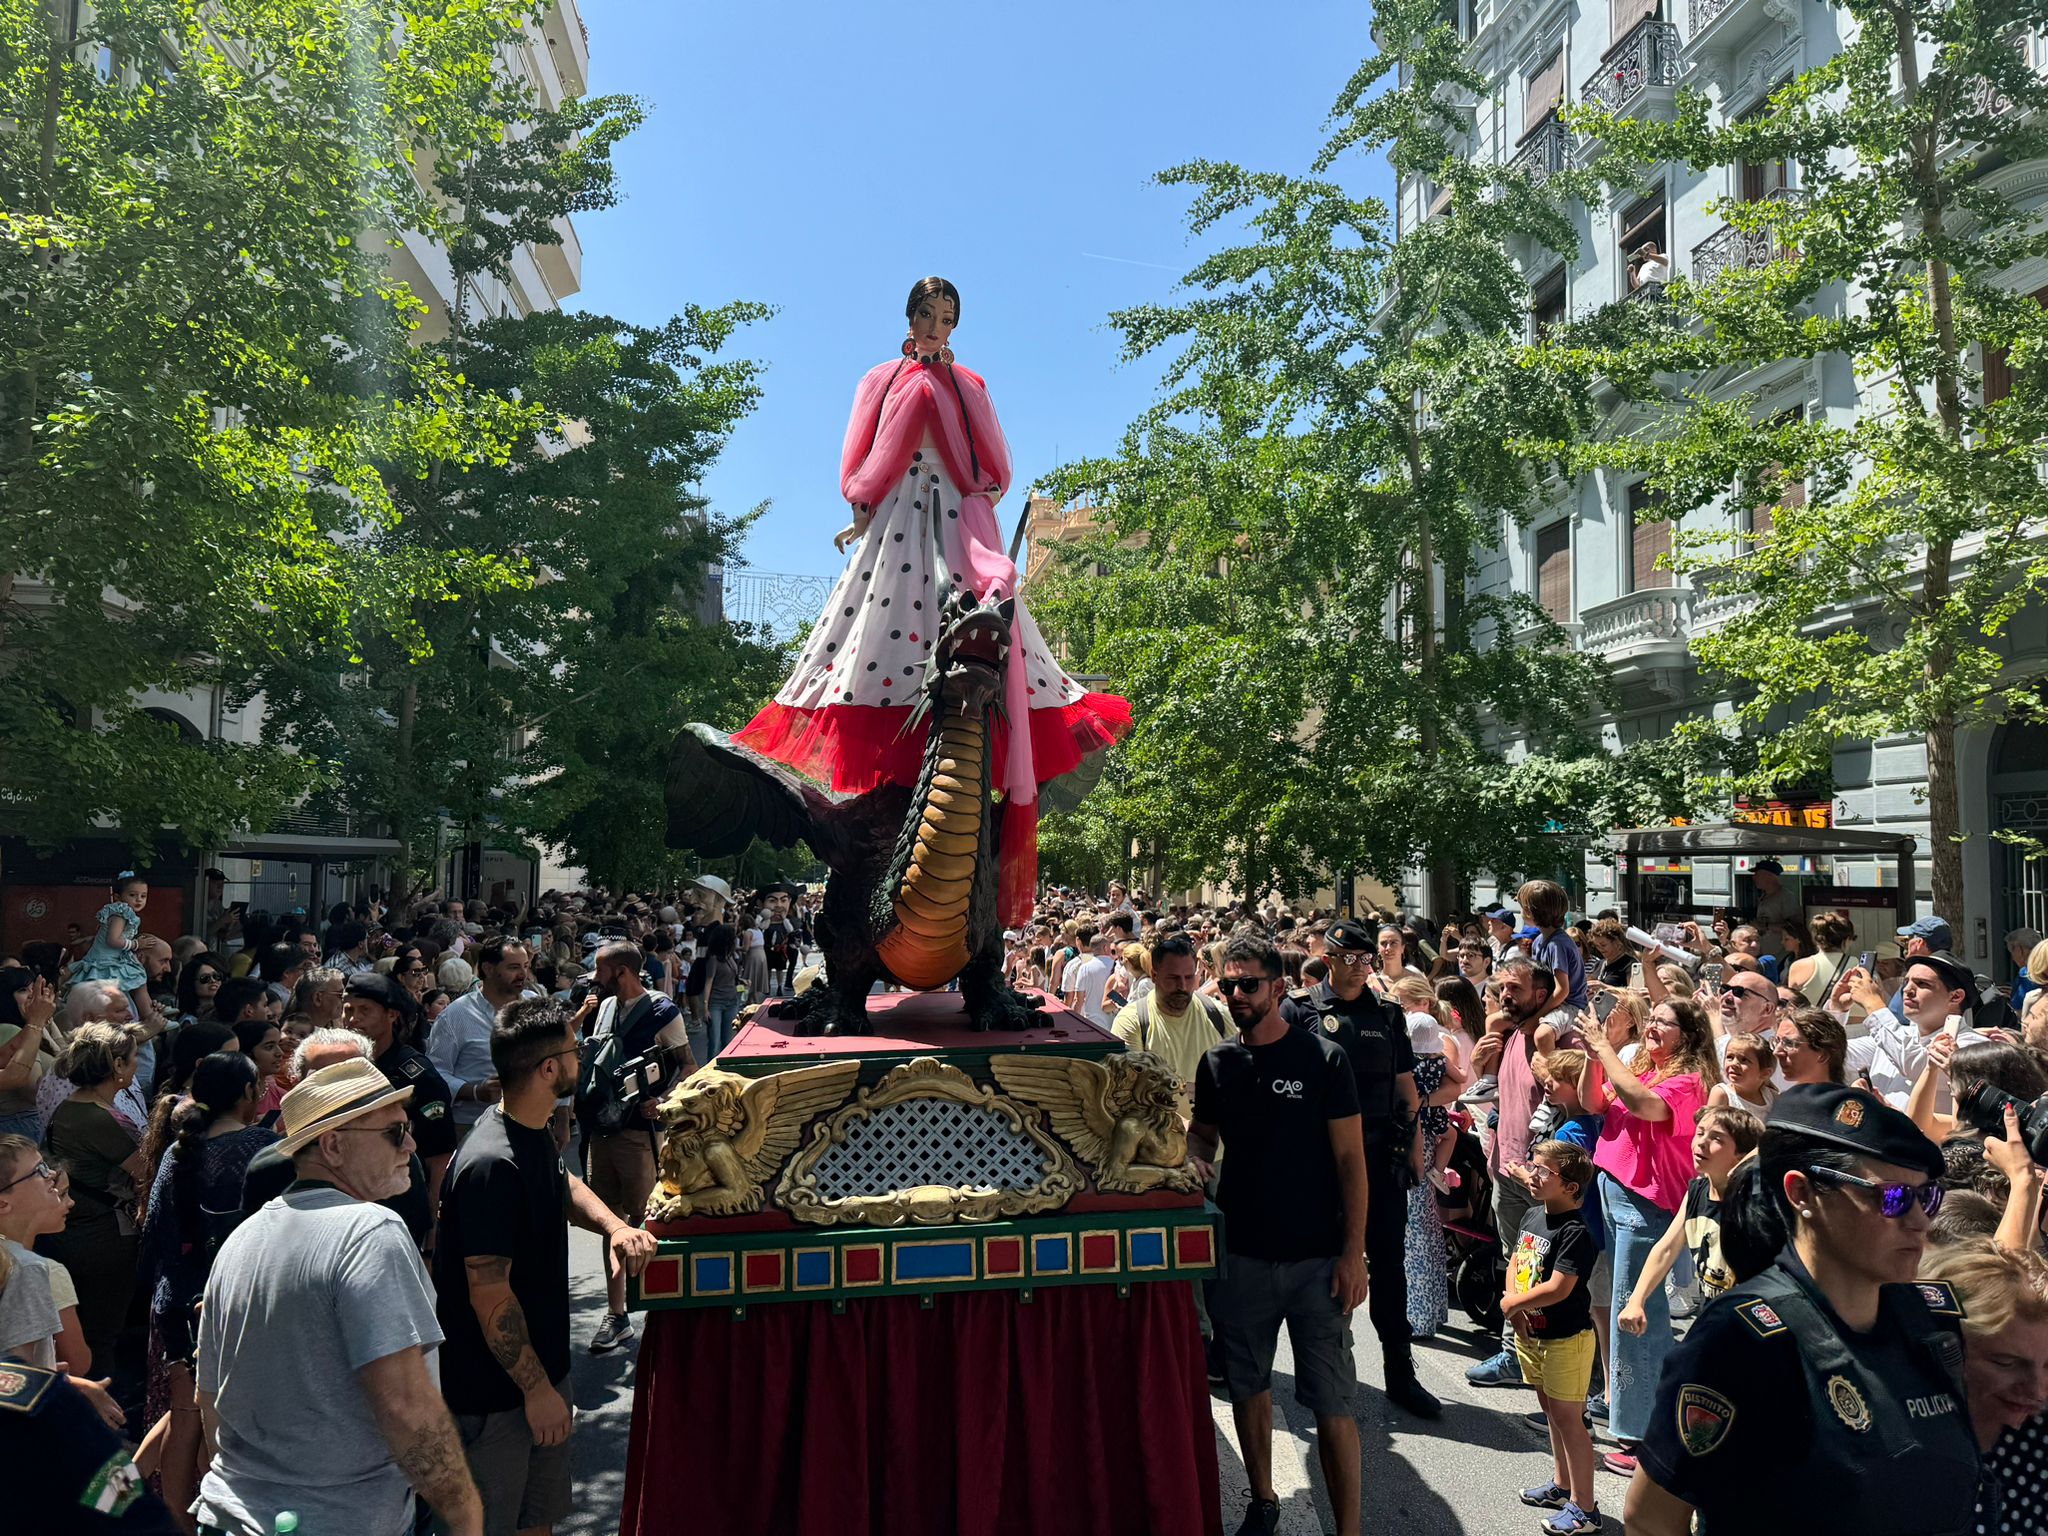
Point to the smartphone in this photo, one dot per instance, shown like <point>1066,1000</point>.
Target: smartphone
<point>1866,960</point>
<point>1952,1026</point>
<point>1603,1005</point>
<point>1710,977</point>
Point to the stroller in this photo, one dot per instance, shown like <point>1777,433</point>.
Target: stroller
<point>1471,1247</point>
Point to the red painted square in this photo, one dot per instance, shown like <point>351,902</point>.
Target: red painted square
<point>1194,1245</point>
<point>1098,1252</point>
<point>763,1271</point>
<point>662,1277</point>
<point>1005,1256</point>
<point>863,1266</point>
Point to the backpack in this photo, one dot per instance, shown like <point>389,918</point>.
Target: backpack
<point>600,1105</point>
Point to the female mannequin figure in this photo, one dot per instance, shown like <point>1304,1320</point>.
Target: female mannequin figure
<point>923,467</point>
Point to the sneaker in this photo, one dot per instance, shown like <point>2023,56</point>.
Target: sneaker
<point>1445,1181</point>
<point>1541,1420</point>
<point>1621,1463</point>
<point>1682,1302</point>
<point>1572,1520</point>
<point>1503,1370</point>
<point>1404,1390</point>
<point>1550,1496</point>
<point>1596,1407</point>
<point>1261,1518</point>
<point>611,1333</point>
<point>1485,1091</point>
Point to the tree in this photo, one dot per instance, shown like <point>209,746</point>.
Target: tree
<point>212,403</point>
<point>1285,580</point>
<point>1874,564</point>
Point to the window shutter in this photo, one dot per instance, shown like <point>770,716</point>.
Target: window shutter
<point>1649,540</point>
<point>1626,14</point>
<point>1541,92</point>
<point>1554,570</point>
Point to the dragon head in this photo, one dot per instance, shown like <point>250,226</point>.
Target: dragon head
<point>965,672</point>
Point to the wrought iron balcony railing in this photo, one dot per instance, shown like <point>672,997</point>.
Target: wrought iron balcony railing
<point>1546,150</point>
<point>1647,55</point>
<point>1729,249</point>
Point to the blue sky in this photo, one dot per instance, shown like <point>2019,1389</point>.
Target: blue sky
<point>823,157</point>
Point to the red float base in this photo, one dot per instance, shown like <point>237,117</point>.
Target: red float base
<point>982,1414</point>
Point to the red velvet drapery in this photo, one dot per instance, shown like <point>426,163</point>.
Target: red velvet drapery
<point>982,1415</point>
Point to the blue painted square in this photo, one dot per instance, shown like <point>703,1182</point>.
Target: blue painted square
<point>1148,1250</point>
<point>813,1269</point>
<point>711,1274</point>
<point>1052,1254</point>
<point>935,1261</point>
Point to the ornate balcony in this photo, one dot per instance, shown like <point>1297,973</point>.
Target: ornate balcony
<point>1721,29</point>
<point>1729,249</point>
<point>1546,150</point>
<point>1644,627</point>
<point>1645,58</point>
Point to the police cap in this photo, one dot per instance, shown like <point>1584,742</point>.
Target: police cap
<point>1352,937</point>
<point>384,991</point>
<point>1855,1121</point>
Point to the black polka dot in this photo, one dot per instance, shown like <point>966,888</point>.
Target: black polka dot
<point>906,565</point>
<point>908,670</point>
<point>956,578</point>
<point>952,512</point>
<point>865,574</point>
<point>919,505</point>
<point>899,538</point>
<point>895,634</point>
<point>831,645</point>
<point>871,666</point>
<point>917,605</point>
<point>849,613</point>
<point>1041,682</point>
<point>917,458</point>
<point>885,602</point>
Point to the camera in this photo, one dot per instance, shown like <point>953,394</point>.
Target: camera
<point>1984,1107</point>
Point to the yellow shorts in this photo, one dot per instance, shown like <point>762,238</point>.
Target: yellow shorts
<point>1559,1368</point>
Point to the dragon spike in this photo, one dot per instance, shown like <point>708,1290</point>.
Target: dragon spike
<point>916,717</point>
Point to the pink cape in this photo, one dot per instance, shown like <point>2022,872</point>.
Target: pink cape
<point>854,748</point>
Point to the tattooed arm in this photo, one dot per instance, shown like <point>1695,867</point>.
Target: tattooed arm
<point>416,1426</point>
<point>503,1321</point>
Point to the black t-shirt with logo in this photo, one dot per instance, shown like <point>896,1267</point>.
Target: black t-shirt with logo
<point>1550,1245</point>
<point>507,1194</point>
<point>1272,1106</point>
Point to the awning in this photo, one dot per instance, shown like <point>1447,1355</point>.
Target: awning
<point>1736,837</point>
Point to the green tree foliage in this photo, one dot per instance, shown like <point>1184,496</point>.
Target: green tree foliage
<point>1875,600</point>
<point>1286,580</point>
<point>211,398</point>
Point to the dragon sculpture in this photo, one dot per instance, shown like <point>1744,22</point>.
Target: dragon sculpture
<point>911,896</point>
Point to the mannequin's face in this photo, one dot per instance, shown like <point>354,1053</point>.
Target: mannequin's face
<point>932,325</point>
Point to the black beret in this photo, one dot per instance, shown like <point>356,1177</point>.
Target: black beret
<point>1955,975</point>
<point>1350,936</point>
<point>384,991</point>
<point>1855,1121</point>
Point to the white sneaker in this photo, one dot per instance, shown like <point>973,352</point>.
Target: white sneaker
<point>1485,1091</point>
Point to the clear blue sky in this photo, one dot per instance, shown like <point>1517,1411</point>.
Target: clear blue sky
<point>823,157</point>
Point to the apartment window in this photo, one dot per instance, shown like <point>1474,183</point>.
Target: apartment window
<point>1649,539</point>
<point>1624,15</point>
<point>1998,367</point>
<point>1645,244</point>
<point>1546,302</point>
<point>1554,570</point>
<point>1541,92</point>
<point>1792,494</point>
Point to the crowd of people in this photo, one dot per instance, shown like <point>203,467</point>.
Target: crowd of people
<point>285,1202</point>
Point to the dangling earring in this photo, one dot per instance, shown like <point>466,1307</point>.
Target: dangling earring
<point>946,356</point>
<point>910,346</point>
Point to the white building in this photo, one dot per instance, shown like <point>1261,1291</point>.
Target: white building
<point>1586,559</point>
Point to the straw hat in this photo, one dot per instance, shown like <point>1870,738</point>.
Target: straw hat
<point>333,1096</point>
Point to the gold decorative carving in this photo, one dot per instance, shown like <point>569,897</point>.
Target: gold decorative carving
<point>924,1205</point>
<point>1120,1115</point>
<point>727,1135</point>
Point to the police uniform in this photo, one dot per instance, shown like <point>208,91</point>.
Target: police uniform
<point>1373,1035</point>
<point>1774,1414</point>
<point>431,1109</point>
<point>84,1480</point>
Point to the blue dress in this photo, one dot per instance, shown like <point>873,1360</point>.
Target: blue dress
<point>103,962</point>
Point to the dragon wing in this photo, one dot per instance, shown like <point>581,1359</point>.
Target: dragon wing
<point>721,796</point>
<point>1071,1091</point>
<point>778,1107</point>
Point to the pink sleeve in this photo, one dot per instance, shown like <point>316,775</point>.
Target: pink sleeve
<point>860,428</point>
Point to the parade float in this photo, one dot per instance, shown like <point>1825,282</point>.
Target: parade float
<point>927,1256</point>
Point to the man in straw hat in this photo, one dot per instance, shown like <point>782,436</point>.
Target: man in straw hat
<point>313,1383</point>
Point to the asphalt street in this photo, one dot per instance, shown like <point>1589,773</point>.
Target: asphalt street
<point>1455,1477</point>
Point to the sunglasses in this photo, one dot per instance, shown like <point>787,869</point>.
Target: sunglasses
<point>1786,1045</point>
<point>1347,958</point>
<point>395,1134</point>
<point>1755,994</point>
<point>1228,985</point>
<point>1893,1199</point>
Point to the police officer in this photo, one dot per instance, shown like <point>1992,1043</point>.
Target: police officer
<point>1374,1037</point>
<point>379,1008</point>
<point>71,1475</point>
<point>1825,1392</point>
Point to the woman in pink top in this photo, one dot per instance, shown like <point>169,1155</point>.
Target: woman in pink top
<point>1645,1161</point>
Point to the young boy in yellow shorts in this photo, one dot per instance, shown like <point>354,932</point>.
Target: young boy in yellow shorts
<point>1548,1304</point>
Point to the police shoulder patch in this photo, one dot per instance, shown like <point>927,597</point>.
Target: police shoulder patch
<point>1940,1297</point>
<point>22,1386</point>
<point>433,1109</point>
<point>1762,1317</point>
<point>1704,1418</point>
<point>412,1066</point>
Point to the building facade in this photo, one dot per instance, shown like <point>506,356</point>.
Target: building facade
<point>1592,558</point>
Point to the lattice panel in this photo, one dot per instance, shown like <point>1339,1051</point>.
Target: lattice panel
<point>929,1141</point>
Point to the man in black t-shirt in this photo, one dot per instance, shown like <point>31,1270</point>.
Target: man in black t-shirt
<point>1293,1194</point>
<point>501,1275</point>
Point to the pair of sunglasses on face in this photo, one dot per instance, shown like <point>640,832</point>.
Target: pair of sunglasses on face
<point>1247,984</point>
<point>1894,1200</point>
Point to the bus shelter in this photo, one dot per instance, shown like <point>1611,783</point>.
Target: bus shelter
<point>1647,861</point>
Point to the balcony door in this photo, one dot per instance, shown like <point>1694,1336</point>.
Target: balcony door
<point>1625,15</point>
<point>1541,92</point>
<point>1554,570</point>
<point>1649,539</point>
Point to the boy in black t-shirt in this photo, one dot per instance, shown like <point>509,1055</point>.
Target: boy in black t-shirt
<point>1548,1305</point>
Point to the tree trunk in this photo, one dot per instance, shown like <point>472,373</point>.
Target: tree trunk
<point>1440,878</point>
<point>1944,827</point>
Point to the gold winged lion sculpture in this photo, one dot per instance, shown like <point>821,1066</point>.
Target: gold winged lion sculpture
<point>1120,1115</point>
<point>728,1135</point>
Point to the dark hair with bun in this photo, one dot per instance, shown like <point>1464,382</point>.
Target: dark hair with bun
<point>932,288</point>
<point>1756,1218</point>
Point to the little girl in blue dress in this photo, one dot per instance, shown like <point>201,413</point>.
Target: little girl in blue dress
<point>112,956</point>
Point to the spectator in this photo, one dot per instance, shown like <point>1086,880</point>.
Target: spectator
<point>460,1043</point>
<point>1775,902</point>
<point>625,1022</point>
<point>1171,1021</point>
<point>721,989</point>
<point>1721,1138</point>
<point>28,1049</point>
<point>1748,1065</point>
<point>1893,1051</point>
<point>319,996</point>
<point>1293,1193</point>
<point>380,1010</point>
<point>1813,1047</point>
<point>1814,976</point>
<point>1087,978</point>
<point>1609,941</point>
<point>241,999</point>
<point>199,984</point>
<point>1748,1005</point>
<point>502,1273</point>
<point>35,1202</point>
<point>1545,903</point>
<point>1645,1163</point>
<point>263,1043</point>
<point>2003,1297</point>
<point>345,1423</point>
<point>2029,952</point>
<point>1475,962</point>
<point>350,942</point>
<point>102,1152</point>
